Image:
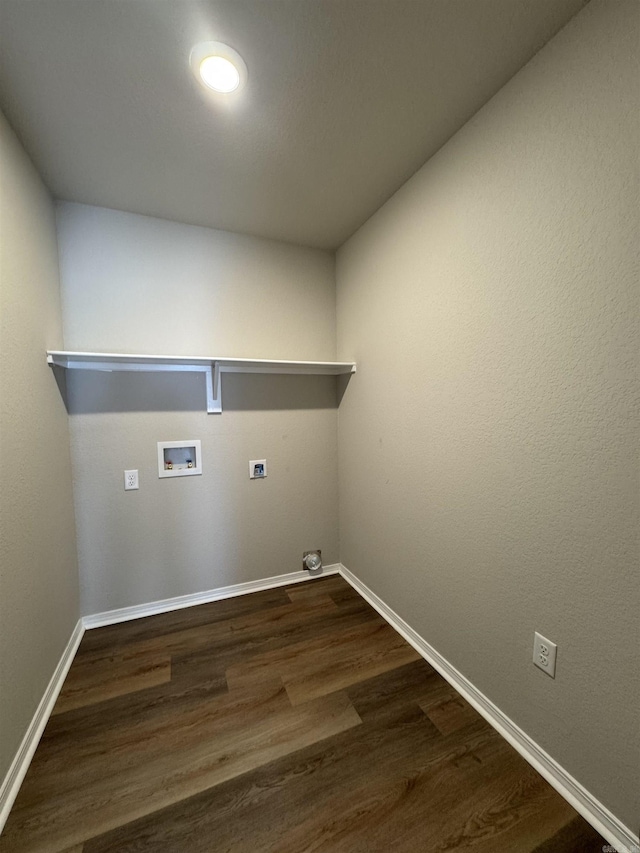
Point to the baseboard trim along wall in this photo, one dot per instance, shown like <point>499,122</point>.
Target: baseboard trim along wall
<point>137,611</point>
<point>20,764</point>
<point>620,836</point>
<point>587,805</point>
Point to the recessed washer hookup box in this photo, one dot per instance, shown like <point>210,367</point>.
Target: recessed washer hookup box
<point>179,458</point>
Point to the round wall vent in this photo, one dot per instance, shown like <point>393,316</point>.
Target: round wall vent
<point>312,562</point>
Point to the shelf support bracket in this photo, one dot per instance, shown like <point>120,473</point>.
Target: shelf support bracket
<point>214,389</point>
<point>211,373</point>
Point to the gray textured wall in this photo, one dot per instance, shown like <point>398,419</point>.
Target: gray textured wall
<point>136,284</point>
<point>38,568</point>
<point>488,447</point>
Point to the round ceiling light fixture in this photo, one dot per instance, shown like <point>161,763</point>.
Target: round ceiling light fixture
<point>218,67</point>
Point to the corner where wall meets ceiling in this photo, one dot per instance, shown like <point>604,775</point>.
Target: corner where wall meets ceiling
<point>338,111</point>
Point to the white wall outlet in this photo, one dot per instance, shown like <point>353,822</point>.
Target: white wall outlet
<point>257,469</point>
<point>544,654</point>
<point>131,480</point>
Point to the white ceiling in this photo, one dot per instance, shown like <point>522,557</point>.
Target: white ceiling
<point>345,100</point>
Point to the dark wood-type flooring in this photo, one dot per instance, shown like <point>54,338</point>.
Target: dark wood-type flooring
<point>289,720</point>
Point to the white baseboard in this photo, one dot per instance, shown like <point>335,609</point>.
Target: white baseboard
<point>137,611</point>
<point>620,836</point>
<point>20,764</point>
<point>585,803</point>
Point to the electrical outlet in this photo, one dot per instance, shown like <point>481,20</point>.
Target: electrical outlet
<point>257,469</point>
<point>544,654</point>
<point>131,480</point>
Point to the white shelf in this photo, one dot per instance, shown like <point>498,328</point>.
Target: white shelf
<point>211,366</point>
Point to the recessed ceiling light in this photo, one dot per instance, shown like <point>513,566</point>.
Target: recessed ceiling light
<point>219,74</point>
<point>218,67</point>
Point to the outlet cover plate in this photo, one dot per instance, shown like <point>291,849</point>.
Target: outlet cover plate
<point>544,654</point>
<point>131,480</point>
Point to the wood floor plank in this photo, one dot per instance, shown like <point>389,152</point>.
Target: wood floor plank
<point>214,660</point>
<point>317,586</point>
<point>403,767</point>
<point>148,704</point>
<point>334,586</point>
<point>119,675</point>
<point>426,808</point>
<point>328,663</point>
<point>252,811</point>
<point>323,677</point>
<point>194,676</point>
<point>574,836</point>
<point>155,626</point>
<point>451,714</point>
<point>403,687</point>
<point>116,751</point>
<point>149,784</point>
<point>293,720</point>
<point>224,633</point>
